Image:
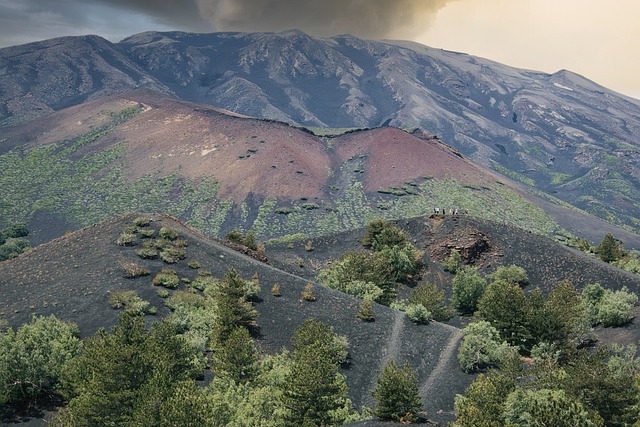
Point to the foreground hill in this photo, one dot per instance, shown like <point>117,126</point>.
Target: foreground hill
<point>73,277</point>
<point>559,133</point>
<point>484,244</point>
<point>220,171</point>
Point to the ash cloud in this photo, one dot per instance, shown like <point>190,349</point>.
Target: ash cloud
<point>363,18</point>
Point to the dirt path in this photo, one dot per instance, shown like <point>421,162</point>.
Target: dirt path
<point>435,380</point>
<point>390,351</point>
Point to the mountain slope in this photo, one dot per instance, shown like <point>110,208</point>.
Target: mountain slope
<point>73,277</point>
<point>556,133</point>
<point>218,171</point>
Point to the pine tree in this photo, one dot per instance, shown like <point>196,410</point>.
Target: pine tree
<point>233,309</point>
<point>610,249</point>
<point>315,391</point>
<point>397,393</point>
<point>236,358</point>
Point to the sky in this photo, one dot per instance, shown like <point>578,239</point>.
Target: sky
<point>595,38</point>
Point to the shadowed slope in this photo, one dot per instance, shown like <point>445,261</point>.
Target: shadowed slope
<point>73,276</point>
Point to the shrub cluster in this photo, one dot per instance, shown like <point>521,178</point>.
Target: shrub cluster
<point>375,274</point>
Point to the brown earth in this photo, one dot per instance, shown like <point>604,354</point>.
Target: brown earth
<point>394,156</point>
<point>247,155</point>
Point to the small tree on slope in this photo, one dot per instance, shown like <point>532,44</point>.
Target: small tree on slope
<point>397,393</point>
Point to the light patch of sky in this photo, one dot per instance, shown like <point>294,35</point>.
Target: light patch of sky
<point>596,39</point>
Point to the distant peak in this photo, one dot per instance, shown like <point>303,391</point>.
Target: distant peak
<point>292,33</point>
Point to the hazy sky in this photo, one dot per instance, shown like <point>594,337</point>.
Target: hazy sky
<point>596,38</point>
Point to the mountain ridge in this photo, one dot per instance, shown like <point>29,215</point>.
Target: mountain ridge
<point>557,133</point>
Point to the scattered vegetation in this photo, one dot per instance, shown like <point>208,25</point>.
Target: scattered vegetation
<point>375,273</point>
<point>248,240</point>
<point>172,255</point>
<point>167,278</point>
<point>33,357</point>
<point>12,242</point>
<point>275,290</point>
<point>365,311</point>
<point>128,300</point>
<point>132,270</point>
<point>307,293</point>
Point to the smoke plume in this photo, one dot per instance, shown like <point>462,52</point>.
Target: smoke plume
<point>363,18</point>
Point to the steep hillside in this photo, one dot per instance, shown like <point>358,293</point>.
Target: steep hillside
<point>557,133</point>
<point>73,277</point>
<point>219,171</point>
<point>484,244</point>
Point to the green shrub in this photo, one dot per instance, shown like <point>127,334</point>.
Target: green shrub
<point>126,239</point>
<point>167,278</point>
<point>365,311</point>
<point>418,313</point>
<point>128,300</point>
<point>248,240</point>
<point>142,221</point>
<point>168,233</point>
<point>432,299</point>
<point>611,308</point>
<point>468,288</point>
<point>363,290</point>
<point>163,293</point>
<point>454,262</point>
<point>615,307</point>
<point>546,407</point>
<point>32,359</point>
<point>511,274</point>
<point>482,347</point>
<point>193,264</point>
<point>132,270</point>
<point>131,229</point>
<point>146,232</point>
<point>13,247</point>
<point>14,231</point>
<point>147,253</point>
<point>172,255</point>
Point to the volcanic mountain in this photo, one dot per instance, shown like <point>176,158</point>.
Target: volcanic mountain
<point>145,152</point>
<point>559,133</point>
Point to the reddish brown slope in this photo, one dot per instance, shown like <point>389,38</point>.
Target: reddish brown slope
<point>394,156</point>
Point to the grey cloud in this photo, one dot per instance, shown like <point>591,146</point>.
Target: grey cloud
<point>364,18</point>
<point>180,14</point>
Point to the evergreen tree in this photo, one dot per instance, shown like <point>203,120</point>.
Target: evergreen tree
<point>468,287</point>
<point>236,358</point>
<point>505,306</point>
<point>610,249</point>
<point>118,374</point>
<point>315,393</point>
<point>397,394</point>
<point>232,307</point>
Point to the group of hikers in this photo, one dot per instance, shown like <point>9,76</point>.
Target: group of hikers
<point>452,211</point>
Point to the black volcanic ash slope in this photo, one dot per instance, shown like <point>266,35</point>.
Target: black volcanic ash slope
<point>73,276</point>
